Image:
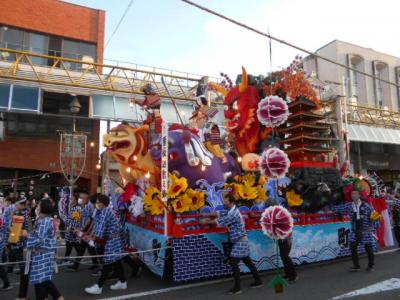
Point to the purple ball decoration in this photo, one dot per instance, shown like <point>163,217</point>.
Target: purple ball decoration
<point>274,163</point>
<point>272,111</point>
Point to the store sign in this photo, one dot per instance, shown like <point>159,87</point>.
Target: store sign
<point>383,164</point>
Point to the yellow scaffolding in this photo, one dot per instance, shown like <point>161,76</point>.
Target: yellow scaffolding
<point>16,65</point>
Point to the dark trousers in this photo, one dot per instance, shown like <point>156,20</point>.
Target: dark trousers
<point>4,277</point>
<point>354,254</point>
<point>92,251</point>
<point>396,230</point>
<point>42,290</point>
<point>234,262</point>
<point>69,246</point>
<point>284,251</point>
<point>118,269</point>
<point>23,285</point>
<point>16,255</point>
<point>132,264</point>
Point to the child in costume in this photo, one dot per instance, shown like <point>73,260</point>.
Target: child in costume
<point>41,246</point>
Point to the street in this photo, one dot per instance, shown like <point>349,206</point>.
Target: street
<point>321,281</point>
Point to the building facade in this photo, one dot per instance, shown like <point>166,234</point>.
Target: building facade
<point>32,114</point>
<point>370,105</point>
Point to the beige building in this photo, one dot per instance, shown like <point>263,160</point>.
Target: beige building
<point>360,89</point>
<point>367,108</point>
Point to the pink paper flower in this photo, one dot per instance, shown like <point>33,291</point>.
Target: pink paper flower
<point>276,222</point>
<point>274,163</point>
<point>272,111</point>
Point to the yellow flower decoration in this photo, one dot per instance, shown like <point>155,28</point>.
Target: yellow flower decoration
<point>196,198</point>
<point>176,186</point>
<point>262,194</point>
<point>249,179</point>
<point>294,199</point>
<point>76,216</point>
<point>182,203</point>
<point>247,192</point>
<point>263,180</point>
<point>235,187</point>
<point>375,216</point>
<point>152,201</point>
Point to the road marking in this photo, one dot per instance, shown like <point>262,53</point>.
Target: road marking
<point>171,289</point>
<point>383,286</point>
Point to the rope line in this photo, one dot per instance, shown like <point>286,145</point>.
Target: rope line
<point>210,11</point>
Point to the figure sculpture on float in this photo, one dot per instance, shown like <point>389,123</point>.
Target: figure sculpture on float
<point>187,155</point>
<point>241,114</point>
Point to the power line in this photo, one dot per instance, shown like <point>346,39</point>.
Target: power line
<point>119,22</point>
<point>210,11</point>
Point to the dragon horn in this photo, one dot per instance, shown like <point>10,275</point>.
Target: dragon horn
<point>244,84</point>
<point>219,88</point>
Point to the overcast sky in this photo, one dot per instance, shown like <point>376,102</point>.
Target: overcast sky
<point>174,35</point>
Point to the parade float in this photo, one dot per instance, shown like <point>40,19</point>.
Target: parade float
<point>174,172</point>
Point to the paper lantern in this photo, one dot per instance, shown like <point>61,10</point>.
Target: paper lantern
<point>272,111</point>
<point>276,222</point>
<point>274,163</point>
<point>251,162</point>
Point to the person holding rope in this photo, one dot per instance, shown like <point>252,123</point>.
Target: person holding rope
<point>42,247</point>
<point>86,220</point>
<point>240,250</point>
<point>108,231</point>
<point>73,222</point>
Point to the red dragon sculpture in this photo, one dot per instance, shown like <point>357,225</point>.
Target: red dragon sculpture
<point>241,114</point>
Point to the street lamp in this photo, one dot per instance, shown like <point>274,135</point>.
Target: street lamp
<point>74,108</point>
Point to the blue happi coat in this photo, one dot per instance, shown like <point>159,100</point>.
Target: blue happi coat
<point>42,243</point>
<point>108,228</point>
<point>365,211</point>
<point>87,213</point>
<point>72,224</point>
<point>233,220</point>
<point>5,229</point>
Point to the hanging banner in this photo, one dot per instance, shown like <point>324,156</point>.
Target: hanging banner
<point>164,162</point>
<point>72,155</point>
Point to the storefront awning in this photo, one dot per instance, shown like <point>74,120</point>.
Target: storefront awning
<point>363,133</point>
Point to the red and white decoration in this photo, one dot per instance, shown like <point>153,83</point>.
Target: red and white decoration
<point>274,163</point>
<point>272,111</point>
<point>276,222</point>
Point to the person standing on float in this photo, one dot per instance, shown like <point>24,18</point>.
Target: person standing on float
<point>232,219</point>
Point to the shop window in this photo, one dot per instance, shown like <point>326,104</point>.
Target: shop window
<point>103,106</point>
<point>123,110</point>
<point>25,98</point>
<point>4,95</point>
<point>58,104</point>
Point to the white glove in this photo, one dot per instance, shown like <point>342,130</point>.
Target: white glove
<point>91,243</point>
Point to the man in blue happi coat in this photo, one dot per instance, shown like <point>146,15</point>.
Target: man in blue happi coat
<point>108,231</point>
<point>240,250</point>
<point>362,228</point>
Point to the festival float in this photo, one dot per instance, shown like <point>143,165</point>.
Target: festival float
<point>278,149</point>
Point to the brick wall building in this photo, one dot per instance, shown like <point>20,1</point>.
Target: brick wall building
<point>31,143</point>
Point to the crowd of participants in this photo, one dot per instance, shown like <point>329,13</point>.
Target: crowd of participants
<point>32,236</point>
<point>31,232</point>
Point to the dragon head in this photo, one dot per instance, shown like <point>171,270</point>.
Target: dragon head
<point>241,113</point>
<point>126,144</point>
<point>241,102</point>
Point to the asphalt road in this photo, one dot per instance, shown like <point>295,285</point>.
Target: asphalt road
<point>321,281</point>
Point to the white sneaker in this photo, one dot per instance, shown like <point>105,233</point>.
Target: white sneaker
<point>94,289</point>
<point>119,286</point>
